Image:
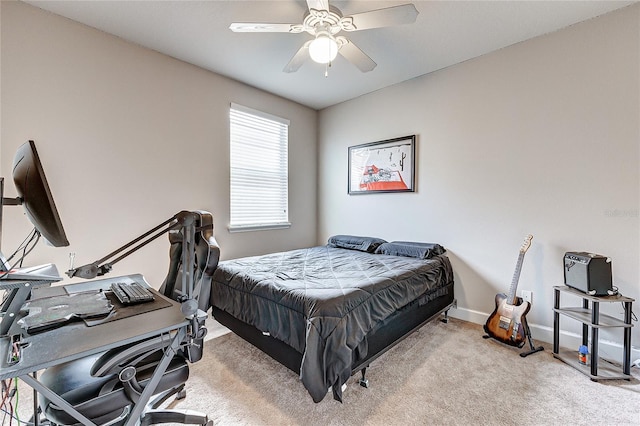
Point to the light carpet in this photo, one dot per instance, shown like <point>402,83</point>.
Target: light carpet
<point>444,374</point>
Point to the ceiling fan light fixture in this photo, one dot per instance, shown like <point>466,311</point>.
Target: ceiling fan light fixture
<point>324,23</point>
<point>323,49</point>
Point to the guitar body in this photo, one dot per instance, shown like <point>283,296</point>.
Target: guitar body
<point>505,323</point>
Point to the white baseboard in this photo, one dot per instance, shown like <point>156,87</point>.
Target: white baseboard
<point>607,349</point>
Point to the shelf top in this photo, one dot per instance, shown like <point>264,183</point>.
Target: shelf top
<point>615,298</point>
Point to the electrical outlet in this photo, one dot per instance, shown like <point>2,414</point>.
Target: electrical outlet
<point>527,296</point>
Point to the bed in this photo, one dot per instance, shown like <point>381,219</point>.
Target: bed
<point>326,312</point>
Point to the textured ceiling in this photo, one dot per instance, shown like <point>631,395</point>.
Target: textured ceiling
<point>445,33</point>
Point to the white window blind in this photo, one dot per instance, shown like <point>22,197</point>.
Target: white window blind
<point>259,170</point>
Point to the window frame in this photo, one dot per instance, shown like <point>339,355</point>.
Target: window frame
<point>259,224</point>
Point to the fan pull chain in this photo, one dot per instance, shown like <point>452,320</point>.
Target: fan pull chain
<point>326,69</point>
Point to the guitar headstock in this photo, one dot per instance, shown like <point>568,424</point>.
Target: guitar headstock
<point>526,244</point>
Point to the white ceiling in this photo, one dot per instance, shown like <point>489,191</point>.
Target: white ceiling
<point>445,33</point>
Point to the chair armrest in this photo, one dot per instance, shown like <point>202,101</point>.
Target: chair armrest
<point>114,360</point>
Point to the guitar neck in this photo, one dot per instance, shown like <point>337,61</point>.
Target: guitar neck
<point>512,297</point>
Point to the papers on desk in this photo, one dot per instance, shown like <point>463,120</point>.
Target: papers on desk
<point>50,312</point>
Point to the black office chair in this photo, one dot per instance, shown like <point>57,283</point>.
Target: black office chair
<point>105,387</point>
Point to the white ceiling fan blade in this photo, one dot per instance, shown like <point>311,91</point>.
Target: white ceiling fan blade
<point>260,27</point>
<point>357,57</point>
<point>396,15</point>
<point>298,59</point>
<point>318,4</point>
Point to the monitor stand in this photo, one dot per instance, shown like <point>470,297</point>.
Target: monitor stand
<point>19,282</point>
<point>4,265</point>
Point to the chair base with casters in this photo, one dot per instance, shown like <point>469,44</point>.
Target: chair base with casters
<point>114,394</point>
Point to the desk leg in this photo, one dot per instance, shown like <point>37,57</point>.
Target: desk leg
<point>36,420</point>
<point>39,387</point>
<point>151,386</point>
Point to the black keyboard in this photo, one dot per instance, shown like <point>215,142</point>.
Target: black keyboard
<point>131,293</point>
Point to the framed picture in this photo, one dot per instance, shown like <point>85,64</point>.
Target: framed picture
<point>385,166</point>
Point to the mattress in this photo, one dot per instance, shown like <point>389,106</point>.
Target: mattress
<point>322,301</point>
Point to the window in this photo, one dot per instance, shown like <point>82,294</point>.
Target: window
<point>259,170</point>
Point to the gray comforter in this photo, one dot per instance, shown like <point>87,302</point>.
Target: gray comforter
<point>322,301</point>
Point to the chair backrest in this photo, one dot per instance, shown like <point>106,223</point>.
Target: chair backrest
<point>207,255</point>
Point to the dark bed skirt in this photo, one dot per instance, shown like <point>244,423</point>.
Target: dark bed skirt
<point>379,340</point>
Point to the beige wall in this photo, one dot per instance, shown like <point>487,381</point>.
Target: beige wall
<point>128,137</point>
<point>541,137</point>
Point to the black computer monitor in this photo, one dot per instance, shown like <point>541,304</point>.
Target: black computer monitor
<point>35,195</point>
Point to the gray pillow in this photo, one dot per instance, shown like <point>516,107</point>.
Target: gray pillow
<point>411,249</point>
<point>352,242</point>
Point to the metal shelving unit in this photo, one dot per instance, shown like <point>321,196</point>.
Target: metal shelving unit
<point>592,321</point>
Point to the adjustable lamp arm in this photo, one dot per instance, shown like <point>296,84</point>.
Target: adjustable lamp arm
<point>184,219</point>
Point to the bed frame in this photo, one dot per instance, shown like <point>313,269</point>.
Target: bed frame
<point>385,336</point>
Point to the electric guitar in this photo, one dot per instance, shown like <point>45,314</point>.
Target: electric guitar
<point>505,323</point>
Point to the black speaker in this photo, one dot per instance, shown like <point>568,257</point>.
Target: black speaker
<point>588,272</point>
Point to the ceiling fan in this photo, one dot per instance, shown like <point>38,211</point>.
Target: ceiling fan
<point>324,22</point>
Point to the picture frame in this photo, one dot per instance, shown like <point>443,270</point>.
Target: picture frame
<point>383,166</point>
